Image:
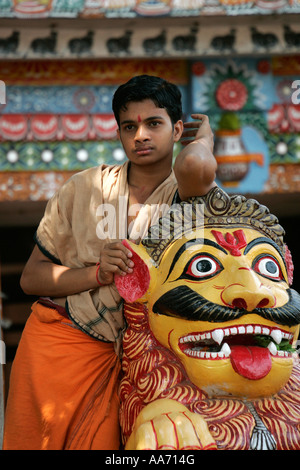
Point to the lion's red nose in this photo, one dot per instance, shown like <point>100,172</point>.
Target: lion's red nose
<point>239,303</point>
<point>242,304</point>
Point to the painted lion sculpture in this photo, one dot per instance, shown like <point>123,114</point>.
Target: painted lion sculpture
<point>209,353</point>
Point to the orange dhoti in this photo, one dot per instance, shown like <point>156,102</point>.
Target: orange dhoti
<point>63,388</point>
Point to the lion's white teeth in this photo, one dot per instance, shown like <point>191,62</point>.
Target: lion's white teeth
<point>226,350</point>
<point>276,335</point>
<point>272,348</point>
<point>217,336</point>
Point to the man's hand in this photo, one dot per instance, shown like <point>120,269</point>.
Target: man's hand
<point>114,259</point>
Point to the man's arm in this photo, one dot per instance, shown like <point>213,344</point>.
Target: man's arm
<point>195,166</point>
<point>42,277</point>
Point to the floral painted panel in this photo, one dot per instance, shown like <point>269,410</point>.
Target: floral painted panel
<point>254,107</point>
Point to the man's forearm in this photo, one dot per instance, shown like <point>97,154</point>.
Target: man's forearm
<point>195,170</point>
<point>44,278</point>
<point>195,166</point>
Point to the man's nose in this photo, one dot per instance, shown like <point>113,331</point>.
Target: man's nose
<point>247,292</point>
<point>141,134</point>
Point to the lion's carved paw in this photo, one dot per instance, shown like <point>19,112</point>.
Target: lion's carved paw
<point>169,425</point>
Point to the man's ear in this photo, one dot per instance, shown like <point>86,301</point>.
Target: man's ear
<point>136,285</point>
<point>178,129</point>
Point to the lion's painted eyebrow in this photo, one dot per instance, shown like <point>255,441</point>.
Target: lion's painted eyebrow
<point>261,240</point>
<point>194,241</point>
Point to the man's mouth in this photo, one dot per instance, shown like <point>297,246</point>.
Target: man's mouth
<point>142,151</point>
<point>250,348</point>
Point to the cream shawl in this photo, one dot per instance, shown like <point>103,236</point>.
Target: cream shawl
<point>91,205</point>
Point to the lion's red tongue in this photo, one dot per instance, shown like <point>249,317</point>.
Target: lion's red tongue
<point>251,362</point>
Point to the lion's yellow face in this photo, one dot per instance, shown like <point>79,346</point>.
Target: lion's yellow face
<point>221,302</point>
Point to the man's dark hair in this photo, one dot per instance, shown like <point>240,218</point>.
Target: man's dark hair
<point>142,87</point>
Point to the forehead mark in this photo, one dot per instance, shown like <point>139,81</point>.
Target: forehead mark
<point>231,242</point>
<point>139,118</point>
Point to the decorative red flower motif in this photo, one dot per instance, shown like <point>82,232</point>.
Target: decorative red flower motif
<point>198,68</point>
<point>283,118</point>
<point>231,94</point>
<point>263,66</point>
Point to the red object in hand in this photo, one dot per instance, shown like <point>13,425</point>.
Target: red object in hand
<point>133,285</point>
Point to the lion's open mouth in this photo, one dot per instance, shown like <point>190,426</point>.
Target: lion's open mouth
<point>249,347</point>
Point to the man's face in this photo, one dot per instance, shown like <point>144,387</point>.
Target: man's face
<point>222,305</point>
<point>147,133</point>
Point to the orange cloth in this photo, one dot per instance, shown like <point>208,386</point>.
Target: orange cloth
<point>63,388</point>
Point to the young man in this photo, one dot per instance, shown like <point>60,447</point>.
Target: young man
<point>64,381</point>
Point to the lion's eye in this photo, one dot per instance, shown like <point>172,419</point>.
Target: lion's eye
<point>267,266</point>
<point>203,266</point>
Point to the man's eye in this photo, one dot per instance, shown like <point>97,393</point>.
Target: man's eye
<point>267,266</point>
<point>203,266</point>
